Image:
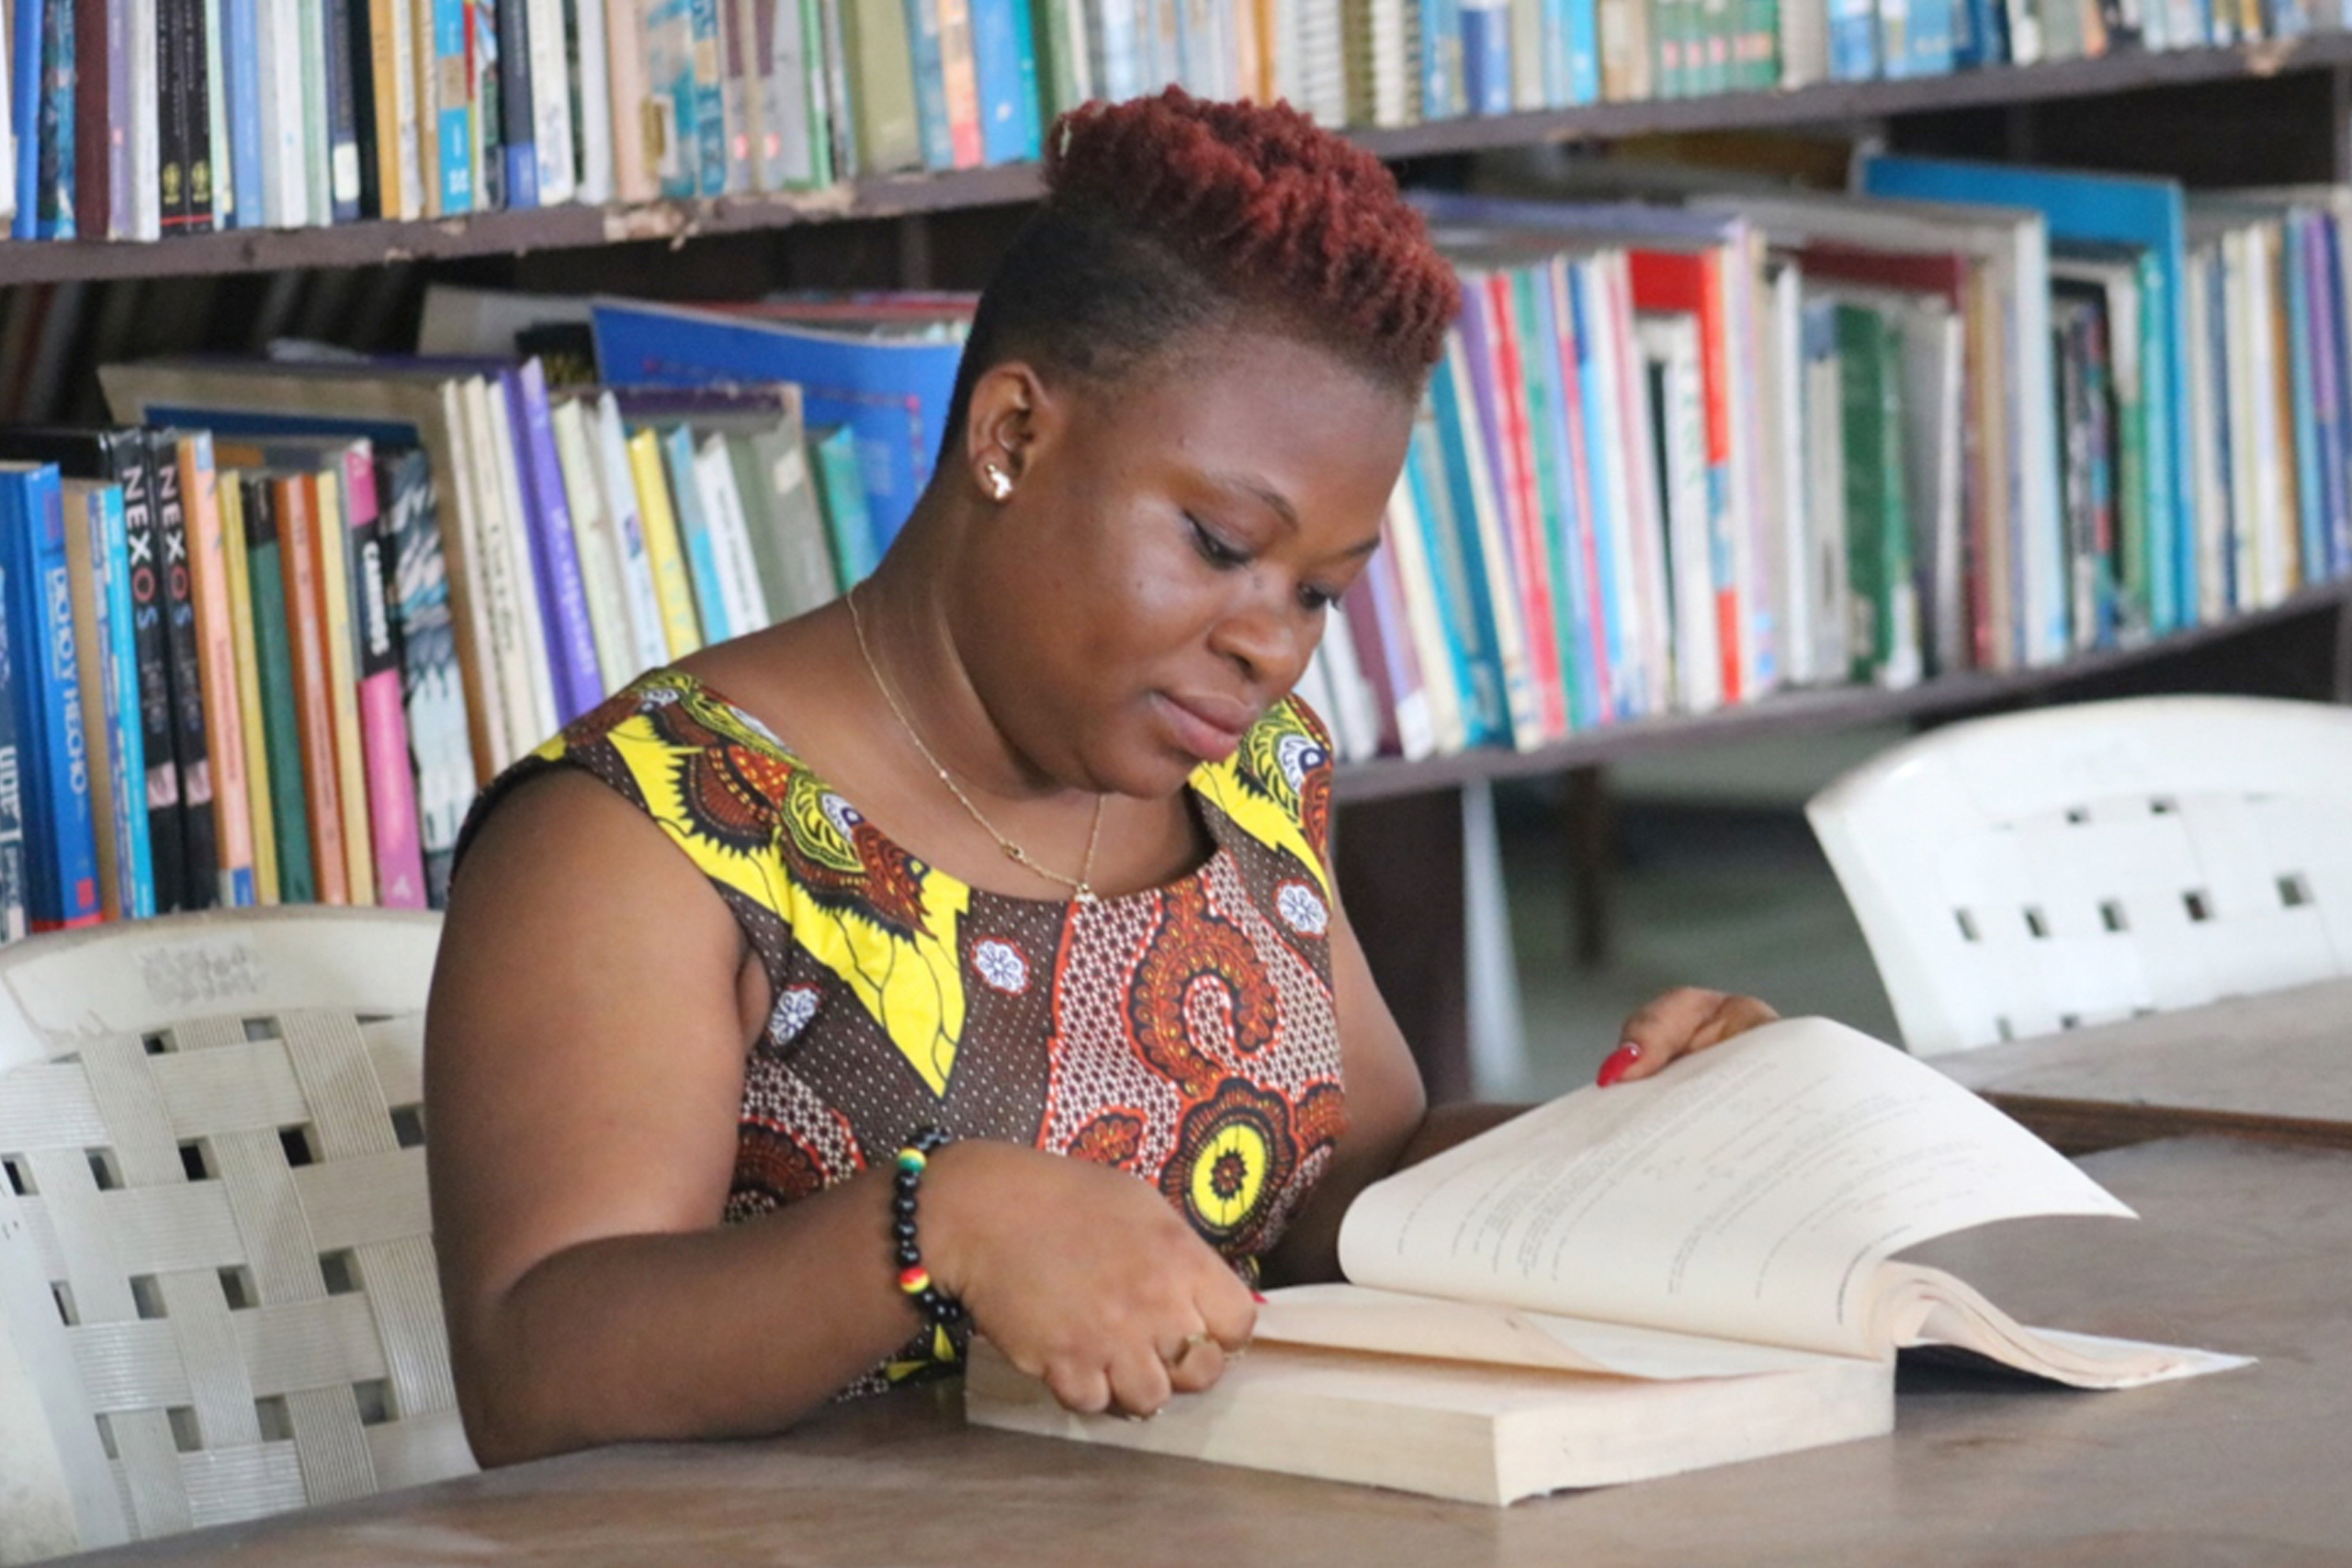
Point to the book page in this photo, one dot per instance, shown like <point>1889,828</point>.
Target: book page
<point>1748,1193</point>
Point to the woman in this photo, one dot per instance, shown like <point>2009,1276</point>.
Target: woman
<point>1036,869</point>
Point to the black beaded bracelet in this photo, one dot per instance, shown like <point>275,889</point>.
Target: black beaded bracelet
<point>937,1310</point>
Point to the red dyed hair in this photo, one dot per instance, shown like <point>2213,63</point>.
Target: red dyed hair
<point>1170,215</point>
<point>1277,212</point>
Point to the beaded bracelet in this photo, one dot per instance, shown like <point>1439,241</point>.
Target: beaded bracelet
<point>937,1310</point>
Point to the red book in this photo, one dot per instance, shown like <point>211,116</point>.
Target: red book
<point>1504,385</point>
<point>1695,282</point>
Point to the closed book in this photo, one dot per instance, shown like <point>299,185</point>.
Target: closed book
<point>196,103</point>
<point>648,638</point>
<point>393,827</point>
<point>216,639</point>
<point>888,380</point>
<point>313,37</point>
<point>445,100</point>
<point>877,50</point>
<point>730,534</point>
<point>242,85</point>
<point>121,457</point>
<point>53,194</point>
<point>664,552</point>
<point>1676,411</point>
<point>1885,639</point>
<point>274,661</point>
<point>959,68</point>
<point>102,192</point>
<point>833,450</point>
<point>199,881</point>
<point>634,159</point>
<point>97,557</point>
<point>316,711</point>
<point>252,719</point>
<point>432,689</point>
<point>572,660</point>
<point>516,122</point>
<point>289,199</point>
<point>670,76</point>
<point>16,887</point>
<point>550,52</point>
<point>172,111</point>
<point>24,116</point>
<point>592,101</point>
<point>709,97</point>
<point>595,546</point>
<point>714,609</point>
<point>1005,63</point>
<point>60,843</point>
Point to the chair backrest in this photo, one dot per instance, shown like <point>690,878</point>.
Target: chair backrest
<point>218,1296</point>
<point>2041,871</point>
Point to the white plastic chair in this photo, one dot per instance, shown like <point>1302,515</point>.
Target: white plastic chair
<point>218,1297</point>
<point>2036,872</point>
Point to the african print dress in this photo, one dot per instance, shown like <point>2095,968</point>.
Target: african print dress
<point>1185,1032</point>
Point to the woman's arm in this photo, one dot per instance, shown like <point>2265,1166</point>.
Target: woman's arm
<point>586,1036</point>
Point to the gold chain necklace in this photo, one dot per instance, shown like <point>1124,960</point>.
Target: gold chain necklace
<point>1079,885</point>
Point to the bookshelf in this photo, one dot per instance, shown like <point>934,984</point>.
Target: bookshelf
<point>2274,111</point>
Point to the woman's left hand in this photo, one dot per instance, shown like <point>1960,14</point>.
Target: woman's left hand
<point>1684,1020</point>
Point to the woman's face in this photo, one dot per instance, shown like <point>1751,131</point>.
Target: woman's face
<point>1162,570</point>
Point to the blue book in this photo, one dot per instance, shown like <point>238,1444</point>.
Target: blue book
<point>94,511</point>
<point>2334,380</point>
<point>2308,432</point>
<point>1853,40</point>
<point>1927,45</point>
<point>1980,34</point>
<point>1457,418</point>
<point>61,848</point>
<point>694,534</point>
<point>1565,520</point>
<point>2107,209</point>
<point>2217,339</point>
<point>53,219</point>
<point>240,80</point>
<point>24,113</point>
<point>1584,51</point>
<point>555,552</point>
<point>1584,324</point>
<point>931,84</point>
<point>453,127</point>
<point>1006,64</point>
<point>890,385</point>
<point>517,127</point>
<point>1441,60</point>
<point>1485,56</point>
<point>832,453</point>
<point>1477,677</point>
<point>15,891</point>
<point>708,125</point>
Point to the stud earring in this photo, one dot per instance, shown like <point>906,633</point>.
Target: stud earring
<point>1000,482</point>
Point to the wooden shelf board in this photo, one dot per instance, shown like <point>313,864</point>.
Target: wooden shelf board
<point>1810,709</point>
<point>563,228</point>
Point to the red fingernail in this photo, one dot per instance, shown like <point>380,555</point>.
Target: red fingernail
<point>1259,1296</point>
<point>1620,1062</point>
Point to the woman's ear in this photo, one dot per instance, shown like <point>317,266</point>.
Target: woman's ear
<point>1010,410</point>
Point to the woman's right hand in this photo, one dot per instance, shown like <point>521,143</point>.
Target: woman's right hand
<point>1083,1275</point>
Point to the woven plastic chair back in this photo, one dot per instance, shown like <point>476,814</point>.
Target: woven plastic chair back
<point>2042,871</point>
<point>218,1297</point>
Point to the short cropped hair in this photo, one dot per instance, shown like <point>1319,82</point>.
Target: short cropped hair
<point>1171,213</point>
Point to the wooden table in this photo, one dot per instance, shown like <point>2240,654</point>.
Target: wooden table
<point>2276,1067</point>
<point>2242,1247</point>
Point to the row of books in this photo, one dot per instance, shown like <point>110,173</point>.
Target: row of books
<point>1975,417</point>
<point>275,630</point>
<point>137,119</point>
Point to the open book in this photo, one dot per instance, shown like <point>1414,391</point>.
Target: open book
<point>1694,1268</point>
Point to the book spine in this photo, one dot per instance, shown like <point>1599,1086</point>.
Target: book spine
<point>929,84</point>
<point>844,497</point>
<point>313,702</point>
<point>285,169</point>
<point>251,739</point>
<point>220,159</point>
<point>516,120</point>
<point>335,495</point>
<point>313,76</point>
<point>550,65</point>
<point>54,201</point>
<point>115,690</point>
<point>696,543</point>
<point>97,44</point>
<point>367,51</point>
<point>633,165</point>
<point>273,659</point>
<point>680,631</point>
<point>16,886</point>
<point>151,611</point>
<point>216,663</point>
<point>425,638</point>
<point>555,556</point>
<point>411,121</point>
<point>64,851</point>
<point>1485,56</point>
<point>593,101</point>
<point>390,786</point>
<point>199,882</point>
<point>707,57</point>
<point>998,60</point>
<point>333,103</point>
<point>445,93</point>
<point>670,64</point>
<point>196,96</point>
<point>24,114</point>
<point>171,110</point>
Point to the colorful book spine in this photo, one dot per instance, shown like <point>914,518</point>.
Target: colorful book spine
<point>273,660</point>
<point>252,738</point>
<point>388,786</point>
<point>432,690</point>
<point>24,113</point>
<point>708,96</point>
<point>555,556</point>
<point>843,494</point>
<point>199,882</point>
<point>99,562</point>
<point>332,506</point>
<point>453,137</point>
<point>16,887</point>
<point>296,499</point>
<point>517,123</point>
<point>216,638</point>
<point>53,202</point>
<point>151,611</point>
<point>680,631</point>
<point>1005,64</point>
<point>62,847</point>
<point>677,448</point>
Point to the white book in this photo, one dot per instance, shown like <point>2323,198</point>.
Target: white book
<point>2205,411</point>
<point>1314,689</point>
<point>1636,494</point>
<point>1404,541</point>
<point>592,130</point>
<point>597,543</point>
<point>503,473</point>
<point>1752,530</point>
<point>408,153</point>
<point>1784,445</point>
<point>1692,1270</point>
<point>144,128</point>
<point>650,643</point>
<point>1351,690</point>
<point>1670,350</point>
<point>634,177</point>
<point>730,537</point>
<point>1826,590</point>
<point>216,86</point>
<point>285,159</point>
<point>552,102</point>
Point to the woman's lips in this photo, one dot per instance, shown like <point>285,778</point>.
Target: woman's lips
<point>1210,727</point>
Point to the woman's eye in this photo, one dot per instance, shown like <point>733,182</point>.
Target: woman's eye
<point>1214,550</point>
<point>1315,600</point>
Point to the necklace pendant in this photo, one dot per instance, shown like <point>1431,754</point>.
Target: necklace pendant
<point>1086,895</point>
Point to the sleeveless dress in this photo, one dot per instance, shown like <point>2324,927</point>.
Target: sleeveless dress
<point>1185,1032</point>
